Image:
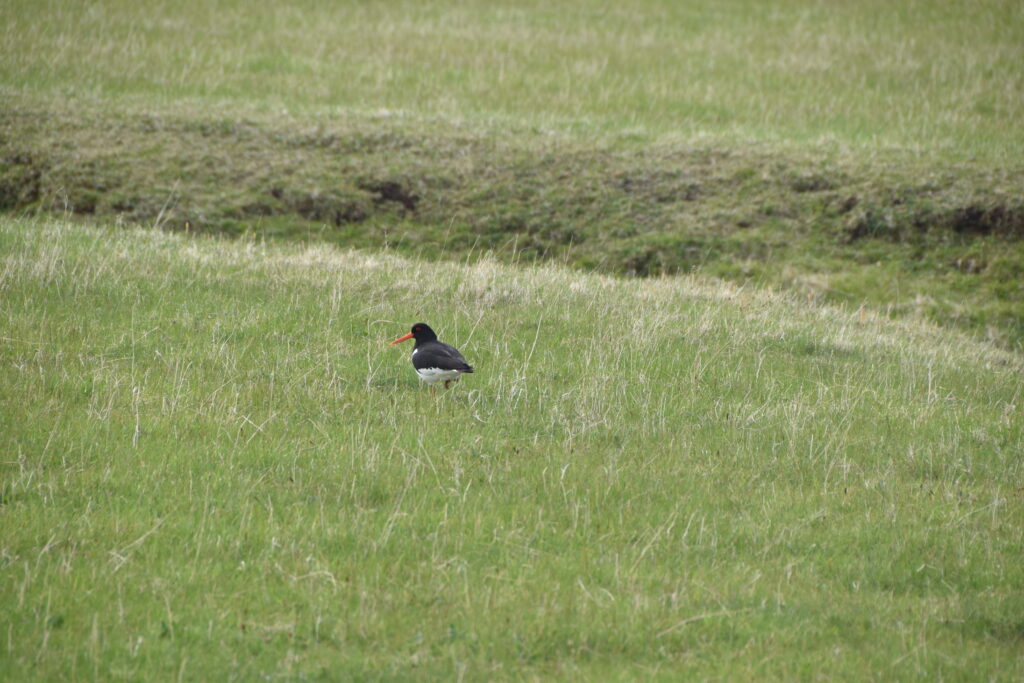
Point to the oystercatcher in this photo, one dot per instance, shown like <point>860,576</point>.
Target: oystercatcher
<point>434,361</point>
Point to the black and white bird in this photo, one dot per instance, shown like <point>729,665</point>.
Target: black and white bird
<point>434,361</point>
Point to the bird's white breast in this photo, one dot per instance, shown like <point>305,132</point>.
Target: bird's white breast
<point>432,375</point>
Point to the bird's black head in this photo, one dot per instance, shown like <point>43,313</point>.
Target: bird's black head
<point>422,333</point>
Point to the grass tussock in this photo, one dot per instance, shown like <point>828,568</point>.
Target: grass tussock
<point>217,467</point>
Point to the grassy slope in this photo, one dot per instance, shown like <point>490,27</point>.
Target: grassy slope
<point>216,467</point>
<point>884,229</point>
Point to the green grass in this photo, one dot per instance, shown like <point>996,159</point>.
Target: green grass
<point>216,468</point>
<point>940,78</point>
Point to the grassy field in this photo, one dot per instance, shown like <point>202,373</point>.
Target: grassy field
<point>933,77</point>
<point>216,468</point>
<point>864,154</point>
<point>743,283</point>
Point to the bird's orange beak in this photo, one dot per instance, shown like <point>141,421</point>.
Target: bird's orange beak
<point>402,339</point>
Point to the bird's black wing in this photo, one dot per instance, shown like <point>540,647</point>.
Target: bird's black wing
<point>441,356</point>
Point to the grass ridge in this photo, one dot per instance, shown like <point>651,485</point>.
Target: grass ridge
<point>908,236</point>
